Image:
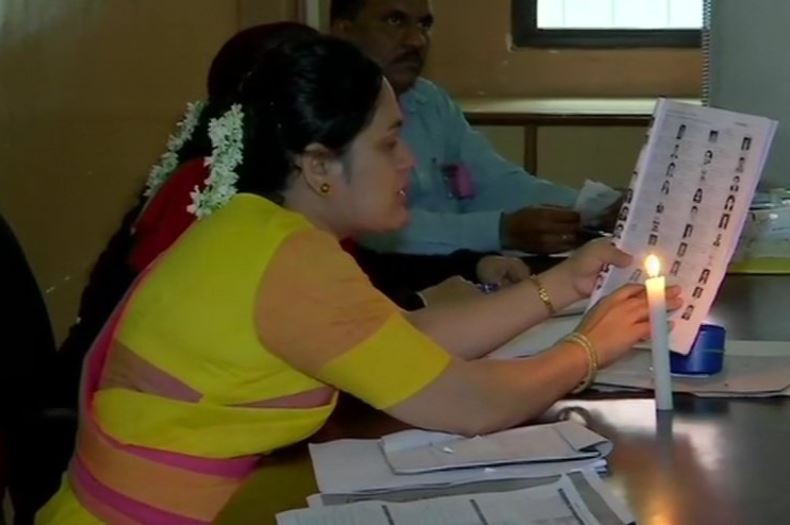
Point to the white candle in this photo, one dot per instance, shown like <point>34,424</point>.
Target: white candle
<point>659,332</point>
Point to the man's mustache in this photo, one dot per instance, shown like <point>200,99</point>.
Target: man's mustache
<point>409,57</point>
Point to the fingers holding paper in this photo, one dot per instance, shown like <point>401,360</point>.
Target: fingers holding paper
<point>621,320</point>
<point>586,263</point>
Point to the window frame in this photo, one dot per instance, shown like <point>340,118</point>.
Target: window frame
<point>526,34</point>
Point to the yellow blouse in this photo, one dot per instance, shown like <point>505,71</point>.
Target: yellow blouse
<point>233,344</point>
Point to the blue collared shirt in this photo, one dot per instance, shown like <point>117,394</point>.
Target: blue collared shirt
<point>438,135</point>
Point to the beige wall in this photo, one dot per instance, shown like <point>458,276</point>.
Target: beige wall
<point>253,12</point>
<point>89,91</point>
<point>571,154</point>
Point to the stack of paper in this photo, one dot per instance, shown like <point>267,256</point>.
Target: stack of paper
<point>751,369</point>
<point>417,451</point>
<point>352,466</point>
<point>576,498</point>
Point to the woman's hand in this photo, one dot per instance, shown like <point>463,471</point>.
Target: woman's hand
<point>502,271</point>
<point>585,264</point>
<point>621,320</point>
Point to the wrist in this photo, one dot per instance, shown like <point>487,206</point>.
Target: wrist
<point>584,343</point>
<point>543,294</point>
<point>577,362</point>
<point>559,285</point>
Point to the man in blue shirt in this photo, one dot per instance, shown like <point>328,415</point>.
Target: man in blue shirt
<point>463,195</point>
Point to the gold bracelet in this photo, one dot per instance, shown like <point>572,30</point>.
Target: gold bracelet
<point>592,360</point>
<point>543,294</point>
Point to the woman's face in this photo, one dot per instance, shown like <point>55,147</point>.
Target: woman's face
<point>371,194</point>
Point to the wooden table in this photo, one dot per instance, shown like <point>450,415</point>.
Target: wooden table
<point>714,461</point>
<point>531,114</point>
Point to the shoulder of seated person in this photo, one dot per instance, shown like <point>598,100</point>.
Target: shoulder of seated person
<point>311,242</point>
<point>425,91</point>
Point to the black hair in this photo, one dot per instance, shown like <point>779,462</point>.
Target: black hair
<point>322,91</point>
<point>231,65</point>
<point>345,10</point>
<point>238,56</point>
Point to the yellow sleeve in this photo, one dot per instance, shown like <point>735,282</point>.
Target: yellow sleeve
<point>318,312</point>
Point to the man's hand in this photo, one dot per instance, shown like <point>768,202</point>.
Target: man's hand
<point>541,230</point>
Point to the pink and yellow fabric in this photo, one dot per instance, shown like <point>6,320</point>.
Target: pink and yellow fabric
<point>232,345</point>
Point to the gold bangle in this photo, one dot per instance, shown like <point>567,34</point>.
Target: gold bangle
<point>592,360</point>
<point>543,294</point>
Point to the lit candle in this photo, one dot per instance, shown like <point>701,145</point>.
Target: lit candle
<point>659,333</point>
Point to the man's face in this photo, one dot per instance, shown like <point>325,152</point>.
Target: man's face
<point>394,33</point>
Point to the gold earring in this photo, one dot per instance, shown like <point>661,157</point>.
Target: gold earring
<point>325,187</point>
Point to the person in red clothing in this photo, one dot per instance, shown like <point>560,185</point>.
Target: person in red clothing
<point>165,216</point>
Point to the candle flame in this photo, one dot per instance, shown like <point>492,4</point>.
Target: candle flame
<point>653,265</point>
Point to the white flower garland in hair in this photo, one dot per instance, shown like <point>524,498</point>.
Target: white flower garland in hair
<point>226,133</point>
<point>168,162</point>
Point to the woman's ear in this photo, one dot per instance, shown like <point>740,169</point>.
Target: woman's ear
<point>317,165</point>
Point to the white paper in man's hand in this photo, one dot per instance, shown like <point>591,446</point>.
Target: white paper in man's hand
<point>595,199</point>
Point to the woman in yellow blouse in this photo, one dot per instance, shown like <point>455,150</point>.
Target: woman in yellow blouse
<point>235,342</point>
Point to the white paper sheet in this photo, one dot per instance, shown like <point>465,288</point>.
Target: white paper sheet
<point>745,375</point>
<point>595,198</point>
<point>687,203</point>
<point>753,350</point>
<point>418,451</point>
<point>538,338</point>
<point>602,502</point>
<point>558,503</point>
<point>577,308</point>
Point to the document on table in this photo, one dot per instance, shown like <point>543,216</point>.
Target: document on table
<point>742,376</point>
<point>418,451</point>
<point>751,368</point>
<point>558,502</point>
<point>687,203</point>
<point>537,339</point>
